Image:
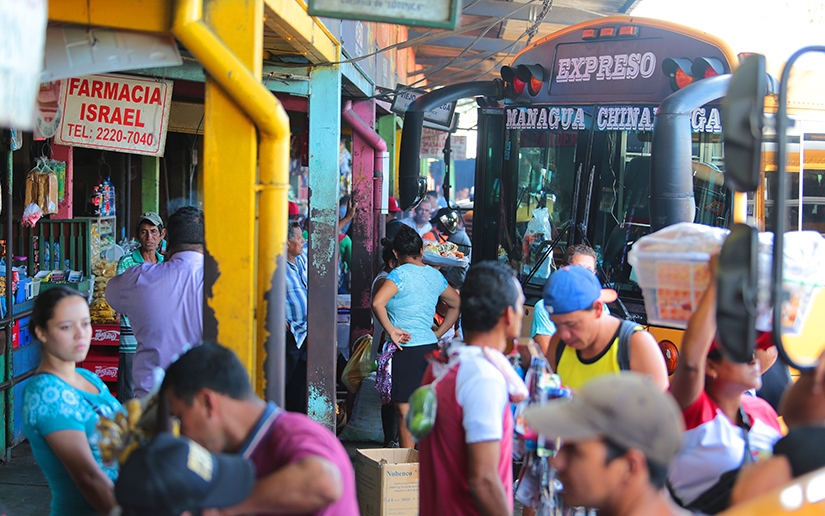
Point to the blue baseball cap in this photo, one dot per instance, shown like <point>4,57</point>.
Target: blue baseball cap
<point>573,288</point>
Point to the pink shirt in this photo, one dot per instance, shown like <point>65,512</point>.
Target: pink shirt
<point>164,303</point>
<point>473,407</point>
<point>282,438</point>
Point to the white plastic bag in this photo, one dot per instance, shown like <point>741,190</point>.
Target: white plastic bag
<point>31,215</point>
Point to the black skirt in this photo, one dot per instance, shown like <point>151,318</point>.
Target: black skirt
<point>408,368</point>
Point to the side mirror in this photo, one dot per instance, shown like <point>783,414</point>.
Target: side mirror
<point>742,122</point>
<point>736,293</point>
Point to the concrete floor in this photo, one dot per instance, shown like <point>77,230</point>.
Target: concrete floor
<point>25,492</point>
<point>23,487</point>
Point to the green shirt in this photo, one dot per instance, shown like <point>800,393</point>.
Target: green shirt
<point>128,342</point>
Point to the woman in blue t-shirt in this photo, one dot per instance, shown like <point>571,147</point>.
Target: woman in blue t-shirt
<point>405,307</point>
<point>61,405</point>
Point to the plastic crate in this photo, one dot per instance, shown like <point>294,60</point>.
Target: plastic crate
<point>32,288</point>
<point>105,334</point>
<point>103,365</point>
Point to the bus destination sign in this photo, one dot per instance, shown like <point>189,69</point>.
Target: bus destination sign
<point>606,118</point>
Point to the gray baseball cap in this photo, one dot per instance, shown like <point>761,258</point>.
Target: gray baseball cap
<point>152,217</point>
<point>628,408</point>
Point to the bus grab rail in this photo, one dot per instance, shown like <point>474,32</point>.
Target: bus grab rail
<point>411,186</point>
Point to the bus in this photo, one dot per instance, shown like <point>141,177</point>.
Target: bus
<point>565,142</point>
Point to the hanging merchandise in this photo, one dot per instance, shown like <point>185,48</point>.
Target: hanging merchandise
<point>96,201</point>
<point>42,185</point>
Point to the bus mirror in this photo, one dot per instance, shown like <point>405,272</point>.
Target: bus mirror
<point>742,121</point>
<point>736,294</point>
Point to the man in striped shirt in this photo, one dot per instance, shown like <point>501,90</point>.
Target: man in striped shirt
<point>296,319</point>
<point>150,232</point>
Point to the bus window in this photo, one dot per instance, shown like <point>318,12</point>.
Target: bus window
<point>545,164</point>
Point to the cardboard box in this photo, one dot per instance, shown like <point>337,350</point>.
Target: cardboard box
<point>387,481</point>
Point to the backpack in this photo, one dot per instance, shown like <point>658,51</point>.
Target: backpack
<point>626,330</point>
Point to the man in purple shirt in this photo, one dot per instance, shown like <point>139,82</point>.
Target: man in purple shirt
<point>164,301</point>
<point>301,467</point>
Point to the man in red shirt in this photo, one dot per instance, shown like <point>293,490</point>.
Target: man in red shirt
<point>466,459</point>
<point>301,467</point>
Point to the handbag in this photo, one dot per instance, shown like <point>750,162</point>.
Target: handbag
<point>359,365</point>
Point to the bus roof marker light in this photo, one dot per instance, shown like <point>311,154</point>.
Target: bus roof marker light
<point>629,30</point>
<point>510,76</point>
<point>607,32</point>
<point>533,76</point>
<point>704,67</point>
<point>679,71</point>
<point>589,34</point>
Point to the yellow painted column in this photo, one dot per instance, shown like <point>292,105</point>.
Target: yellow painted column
<point>229,193</point>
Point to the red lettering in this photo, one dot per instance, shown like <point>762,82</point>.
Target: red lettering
<point>155,97</point>
<point>110,90</point>
<point>137,118</point>
<point>104,114</point>
<point>70,128</point>
<point>84,88</point>
<point>78,131</point>
<point>116,116</point>
<point>91,113</point>
<point>73,82</point>
<point>82,110</point>
<point>128,116</point>
<point>124,93</point>
<point>97,86</point>
<point>137,89</point>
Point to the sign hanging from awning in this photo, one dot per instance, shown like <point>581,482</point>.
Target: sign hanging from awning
<point>23,29</point>
<point>432,145</point>
<point>441,117</point>
<point>117,113</point>
<point>441,14</point>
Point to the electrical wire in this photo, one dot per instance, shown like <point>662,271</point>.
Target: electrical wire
<point>476,40</point>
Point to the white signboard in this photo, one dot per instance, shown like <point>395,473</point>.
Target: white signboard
<point>432,145</point>
<point>123,114</point>
<point>23,29</point>
<point>426,13</point>
<point>442,115</point>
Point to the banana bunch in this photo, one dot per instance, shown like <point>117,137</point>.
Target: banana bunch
<point>117,438</point>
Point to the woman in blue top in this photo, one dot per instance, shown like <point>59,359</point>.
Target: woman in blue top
<point>61,405</point>
<point>405,307</point>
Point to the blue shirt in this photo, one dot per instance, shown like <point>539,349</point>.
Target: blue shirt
<point>542,325</point>
<point>50,405</point>
<point>413,307</point>
<point>296,298</point>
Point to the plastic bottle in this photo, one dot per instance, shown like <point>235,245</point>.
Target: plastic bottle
<point>97,201</point>
<point>108,197</point>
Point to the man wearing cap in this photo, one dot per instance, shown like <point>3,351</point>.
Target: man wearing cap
<point>164,301</point>
<point>619,433</point>
<point>150,232</point>
<point>174,476</point>
<point>294,211</point>
<point>466,459</point>
<point>301,467</point>
<point>589,342</point>
<point>447,228</point>
<point>393,222</point>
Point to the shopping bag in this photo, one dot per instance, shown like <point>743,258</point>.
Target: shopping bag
<point>359,365</point>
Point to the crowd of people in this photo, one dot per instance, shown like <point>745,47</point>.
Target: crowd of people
<point>633,440</point>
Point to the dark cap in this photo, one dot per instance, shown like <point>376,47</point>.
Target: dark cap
<point>171,475</point>
<point>151,217</point>
<point>446,219</point>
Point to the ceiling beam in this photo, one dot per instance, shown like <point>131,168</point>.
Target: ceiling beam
<point>497,9</point>
<point>482,45</point>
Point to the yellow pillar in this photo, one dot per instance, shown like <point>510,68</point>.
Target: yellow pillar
<point>229,179</point>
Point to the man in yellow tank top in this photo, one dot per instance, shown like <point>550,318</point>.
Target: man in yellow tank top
<point>590,339</point>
